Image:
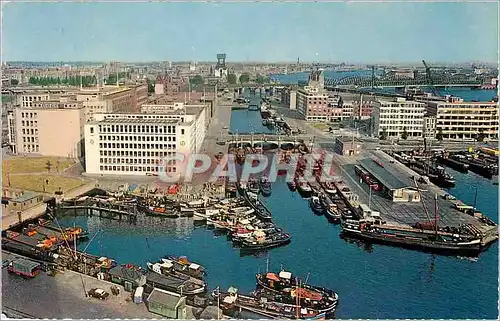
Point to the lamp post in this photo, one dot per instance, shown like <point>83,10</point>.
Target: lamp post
<point>370,197</point>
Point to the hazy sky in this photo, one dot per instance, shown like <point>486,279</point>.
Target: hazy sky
<point>349,32</point>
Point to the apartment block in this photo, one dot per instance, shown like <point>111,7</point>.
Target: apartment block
<point>397,116</point>
<point>137,143</point>
<point>459,120</point>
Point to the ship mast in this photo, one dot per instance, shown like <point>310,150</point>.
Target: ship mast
<point>436,214</point>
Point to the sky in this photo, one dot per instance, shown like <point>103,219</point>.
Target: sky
<point>315,32</point>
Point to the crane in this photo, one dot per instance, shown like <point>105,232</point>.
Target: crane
<point>429,79</point>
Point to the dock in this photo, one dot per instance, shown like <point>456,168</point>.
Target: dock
<point>103,209</point>
<point>405,213</point>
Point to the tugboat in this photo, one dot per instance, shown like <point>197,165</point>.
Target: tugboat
<point>315,205</point>
<point>265,186</point>
<point>289,289</point>
<point>331,211</point>
<point>329,188</point>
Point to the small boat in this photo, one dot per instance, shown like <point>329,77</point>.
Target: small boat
<point>265,186</point>
<point>329,188</point>
<point>182,264</point>
<point>304,189</point>
<point>189,285</point>
<point>290,289</point>
<point>159,211</point>
<point>253,186</point>
<point>346,214</point>
<point>331,211</point>
<point>315,205</point>
<point>260,241</point>
<point>261,308</point>
<point>292,186</point>
<point>260,209</point>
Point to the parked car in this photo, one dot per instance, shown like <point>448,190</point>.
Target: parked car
<point>98,294</point>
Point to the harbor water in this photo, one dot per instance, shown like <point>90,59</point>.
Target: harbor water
<point>373,281</point>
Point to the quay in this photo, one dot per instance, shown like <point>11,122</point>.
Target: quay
<point>106,210</point>
<point>407,204</point>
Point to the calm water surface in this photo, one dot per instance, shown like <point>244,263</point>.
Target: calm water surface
<point>372,281</point>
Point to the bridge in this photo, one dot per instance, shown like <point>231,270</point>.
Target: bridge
<point>440,80</point>
<point>265,140</point>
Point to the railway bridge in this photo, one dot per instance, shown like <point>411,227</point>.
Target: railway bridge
<point>269,141</point>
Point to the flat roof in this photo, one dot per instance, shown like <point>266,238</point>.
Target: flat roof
<point>137,121</point>
<point>26,196</point>
<point>167,298</point>
<point>382,174</point>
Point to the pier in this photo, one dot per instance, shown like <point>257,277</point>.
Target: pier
<point>103,209</point>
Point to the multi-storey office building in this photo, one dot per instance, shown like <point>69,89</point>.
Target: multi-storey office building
<point>465,120</point>
<point>48,128</point>
<point>398,116</point>
<point>138,143</point>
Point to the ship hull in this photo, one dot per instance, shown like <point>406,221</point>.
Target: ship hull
<point>423,245</point>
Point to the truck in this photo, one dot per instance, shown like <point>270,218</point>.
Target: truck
<point>25,268</point>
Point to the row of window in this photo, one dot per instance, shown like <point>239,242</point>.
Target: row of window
<point>30,139</point>
<point>29,115</point>
<point>148,129</point>
<point>146,169</point>
<point>30,148</point>
<point>29,123</point>
<point>134,153</point>
<point>137,146</point>
<point>130,161</point>
<point>138,138</point>
<point>28,131</point>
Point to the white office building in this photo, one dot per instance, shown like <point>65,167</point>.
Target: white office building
<point>138,143</point>
<point>397,116</point>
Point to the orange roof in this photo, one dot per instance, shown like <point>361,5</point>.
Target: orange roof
<point>307,294</point>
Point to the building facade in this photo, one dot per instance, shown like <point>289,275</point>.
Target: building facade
<point>394,118</point>
<point>429,131</point>
<point>459,120</point>
<point>48,128</point>
<point>289,98</point>
<point>138,143</point>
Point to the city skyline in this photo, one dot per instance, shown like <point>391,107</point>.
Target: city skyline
<point>360,32</point>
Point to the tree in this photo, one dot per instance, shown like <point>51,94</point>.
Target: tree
<point>14,82</point>
<point>151,88</point>
<point>197,80</point>
<point>232,79</point>
<point>439,135</point>
<point>261,79</point>
<point>383,134</point>
<point>244,78</point>
<point>404,134</point>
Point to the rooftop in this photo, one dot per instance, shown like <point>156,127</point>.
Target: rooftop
<point>167,298</point>
<point>137,121</point>
<point>382,174</point>
<point>26,196</point>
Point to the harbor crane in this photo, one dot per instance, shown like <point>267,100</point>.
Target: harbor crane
<point>429,79</point>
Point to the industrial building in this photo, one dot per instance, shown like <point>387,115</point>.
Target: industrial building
<point>137,144</point>
<point>392,186</point>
